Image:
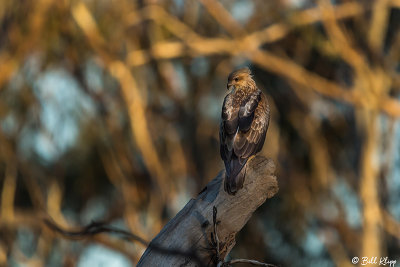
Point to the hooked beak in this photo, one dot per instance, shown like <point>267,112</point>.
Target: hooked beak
<point>229,86</point>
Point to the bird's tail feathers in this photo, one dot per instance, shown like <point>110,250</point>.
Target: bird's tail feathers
<point>234,183</point>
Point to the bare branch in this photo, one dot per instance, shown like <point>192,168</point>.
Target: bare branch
<point>193,225</point>
<point>254,262</point>
<point>95,228</point>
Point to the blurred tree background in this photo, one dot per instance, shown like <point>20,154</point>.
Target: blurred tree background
<point>109,110</point>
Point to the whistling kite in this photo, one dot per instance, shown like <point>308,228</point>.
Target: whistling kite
<point>245,119</point>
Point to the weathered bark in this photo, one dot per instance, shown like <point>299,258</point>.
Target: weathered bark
<point>191,228</point>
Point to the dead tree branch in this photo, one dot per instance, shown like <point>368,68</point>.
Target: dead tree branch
<point>193,226</point>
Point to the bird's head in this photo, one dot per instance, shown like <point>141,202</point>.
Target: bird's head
<point>240,78</point>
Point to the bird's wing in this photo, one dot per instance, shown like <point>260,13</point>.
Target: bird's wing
<point>246,111</point>
<point>228,127</point>
<point>253,125</point>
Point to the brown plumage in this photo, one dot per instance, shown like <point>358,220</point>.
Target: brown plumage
<point>245,119</point>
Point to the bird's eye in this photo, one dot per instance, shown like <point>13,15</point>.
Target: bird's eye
<point>236,79</point>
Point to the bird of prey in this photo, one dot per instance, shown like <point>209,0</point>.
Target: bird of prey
<point>245,120</point>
